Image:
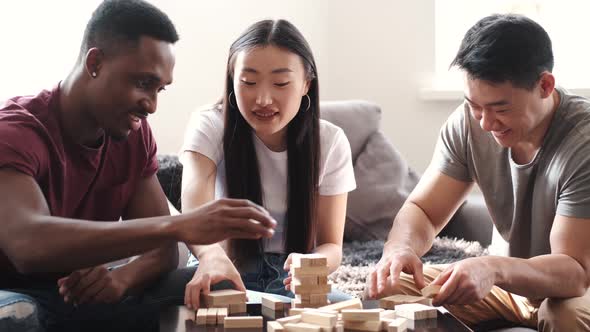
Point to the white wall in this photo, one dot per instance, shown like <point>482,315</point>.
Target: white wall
<point>379,50</point>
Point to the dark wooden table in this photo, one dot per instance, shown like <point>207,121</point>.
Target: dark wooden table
<point>178,319</point>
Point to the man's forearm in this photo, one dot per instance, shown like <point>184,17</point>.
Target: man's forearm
<point>411,228</point>
<point>41,243</point>
<point>553,275</point>
<point>145,269</point>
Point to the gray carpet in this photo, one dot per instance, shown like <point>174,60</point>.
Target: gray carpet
<point>360,257</point>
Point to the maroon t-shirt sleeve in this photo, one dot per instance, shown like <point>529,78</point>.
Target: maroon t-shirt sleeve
<point>152,150</point>
<point>22,148</point>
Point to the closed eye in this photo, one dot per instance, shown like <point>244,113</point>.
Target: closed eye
<point>248,82</point>
<point>282,84</point>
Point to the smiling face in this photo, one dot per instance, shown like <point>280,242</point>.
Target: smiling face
<point>126,86</point>
<point>514,116</point>
<point>269,84</point>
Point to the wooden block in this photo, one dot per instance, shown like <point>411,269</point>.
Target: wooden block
<point>243,322</point>
<point>372,326</point>
<point>387,314</point>
<point>272,302</point>
<point>309,270</point>
<point>299,304</point>
<point>298,288</point>
<point>355,303</point>
<point>238,308</point>
<point>319,318</point>
<point>307,280</point>
<point>222,297</point>
<point>272,314</point>
<point>302,327</point>
<point>397,325</point>
<point>221,314</point>
<point>391,301</point>
<point>309,260</point>
<point>339,327</point>
<point>303,297</point>
<point>430,291</point>
<point>274,327</point>
<point>296,311</point>
<point>322,280</point>
<point>201,316</point>
<point>290,319</point>
<point>415,311</point>
<point>361,315</point>
<point>211,316</point>
<point>318,299</point>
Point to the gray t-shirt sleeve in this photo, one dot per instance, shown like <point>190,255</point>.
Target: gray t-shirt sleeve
<point>451,151</point>
<point>574,194</point>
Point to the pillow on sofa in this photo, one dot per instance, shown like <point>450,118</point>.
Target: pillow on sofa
<point>358,119</point>
<point>384,181</point>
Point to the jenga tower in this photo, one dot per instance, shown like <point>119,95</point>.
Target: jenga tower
<point>310,281</point>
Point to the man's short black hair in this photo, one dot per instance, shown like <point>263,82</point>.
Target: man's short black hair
<point>117,22</point>
<point>506,48</point>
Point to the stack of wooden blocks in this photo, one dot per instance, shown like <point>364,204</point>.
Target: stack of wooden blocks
<point>309,281</point>
<point>218,305</point>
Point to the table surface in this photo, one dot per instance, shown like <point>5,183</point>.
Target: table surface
<point>178,319</point>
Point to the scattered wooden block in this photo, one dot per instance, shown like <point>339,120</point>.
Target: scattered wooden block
<point>349,304</point>
<point>221,314</point>
<point>272,302</point>
<point>302,327</point>
<point>223,297</point>
<point>211,316</point>
<point>430,291</point>
<point>274,327</point>
<point>397,325</point>
<point>238,308</point>
<point>361,315</point>
<point>372,326</point>
<point>296,311</point>
<point>309,270</point>
<point>289,319</point>
<point>391,301</point>
<point>415,311</point>
<point>272,314</point>
<point>243,322</point>
<point>319,318</point>
<point>201,316</point>
<point>387,314</point>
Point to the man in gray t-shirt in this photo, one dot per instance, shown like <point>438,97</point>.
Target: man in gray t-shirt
<point>526,144</point>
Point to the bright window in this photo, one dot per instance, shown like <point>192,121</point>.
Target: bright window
<point>564,21</point>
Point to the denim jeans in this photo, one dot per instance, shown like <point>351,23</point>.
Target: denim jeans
<point>48,311</point>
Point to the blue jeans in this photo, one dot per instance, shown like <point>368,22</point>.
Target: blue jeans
<point>266,275</point>
<point>46,311</point>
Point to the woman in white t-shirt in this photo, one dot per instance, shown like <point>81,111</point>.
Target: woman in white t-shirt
<point>265,142</point>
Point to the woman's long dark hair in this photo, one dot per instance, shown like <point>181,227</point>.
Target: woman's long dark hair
<point>303,145</point>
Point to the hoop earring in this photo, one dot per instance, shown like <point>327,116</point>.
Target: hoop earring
<point>308,102</point>
<point>229,100</point>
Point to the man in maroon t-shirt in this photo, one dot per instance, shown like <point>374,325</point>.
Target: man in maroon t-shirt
<point>77,159</point>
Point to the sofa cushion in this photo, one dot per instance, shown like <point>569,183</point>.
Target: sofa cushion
<point>384,181</point>
<point>358,118</point>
